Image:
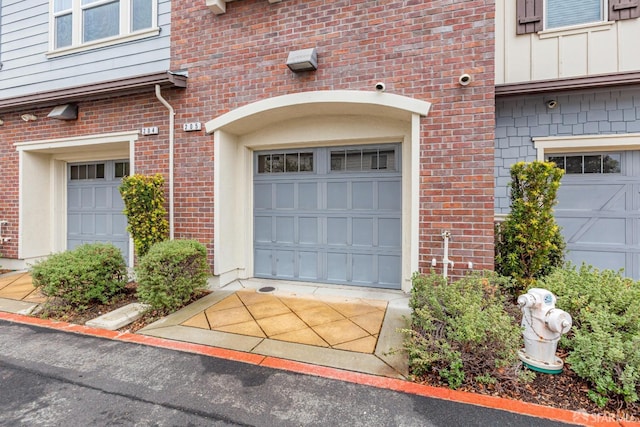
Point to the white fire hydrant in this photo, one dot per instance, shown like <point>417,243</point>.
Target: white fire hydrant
<point>543,325</point>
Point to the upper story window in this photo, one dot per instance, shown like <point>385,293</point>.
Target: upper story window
<point>563,13</point>
<point>81,22</point>
<point>538,15</point>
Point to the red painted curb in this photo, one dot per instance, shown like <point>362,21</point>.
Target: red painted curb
<point>524,408</point>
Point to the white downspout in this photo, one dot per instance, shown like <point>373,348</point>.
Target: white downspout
<point>172,114</point>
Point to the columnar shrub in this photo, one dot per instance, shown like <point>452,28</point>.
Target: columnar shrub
<point>461,330</point>
<point>604,345</point>
<point>91,272</point>
<point>171,272</point>
<point>528,242</point>
<point>143,198</point>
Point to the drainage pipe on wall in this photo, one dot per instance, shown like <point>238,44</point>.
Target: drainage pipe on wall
<point>172,114</point>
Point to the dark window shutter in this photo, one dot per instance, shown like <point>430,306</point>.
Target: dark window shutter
<point>529,19</point>
<point>623,9</point>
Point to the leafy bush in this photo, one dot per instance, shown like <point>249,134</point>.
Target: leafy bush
<point>171,272</point>
<point>461,330</point>
<point>528,242</point>
<point>91,272</point>
<point>604,345</point>
<point>143,198</point>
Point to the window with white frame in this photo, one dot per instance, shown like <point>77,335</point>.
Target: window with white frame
<point>79,22</point>
<point>539,15</point>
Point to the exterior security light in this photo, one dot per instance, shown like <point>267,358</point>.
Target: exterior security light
<point>28,117</point>
<point>303,60</point>
<point>64,112</point>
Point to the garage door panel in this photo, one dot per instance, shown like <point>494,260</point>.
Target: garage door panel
<point>605,230</point>
<point>389,195</point>
<point>337,266</point>
<point>600,259</point>
<point>337,195</point>
<point>119,226</point>
<point>262,196</point>
<point>308,196</point>
<point>285,229</point>
<point>262,262</point>
<point>116,199</point>
<point>387,232</point>
<point>285,263</point>
<point>389,269</point>
<point>308,231</point>
<point>308,265</point>
<point>88,223</point>
<point>363,269</point>
<point>102,197</point>
<point>337,231</point>
<point>362,232</point>
<point>86,198</point>
<point>284,196</point>
<point>101,225</point>
<point>262,232</point>
<point>363,195</point>
<point>73,198</point>
<point>572,196</point>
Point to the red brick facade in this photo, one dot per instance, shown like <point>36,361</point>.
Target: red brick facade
<point>418,48</point>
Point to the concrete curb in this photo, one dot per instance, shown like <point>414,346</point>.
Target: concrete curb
<point>539,411</point>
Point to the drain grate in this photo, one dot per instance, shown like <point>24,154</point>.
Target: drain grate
<point>266,289</point>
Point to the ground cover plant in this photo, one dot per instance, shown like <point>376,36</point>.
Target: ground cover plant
<point>604,343</point>
<point>461,330</point>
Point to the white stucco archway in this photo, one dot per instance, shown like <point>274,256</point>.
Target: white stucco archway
<point>307,119</point>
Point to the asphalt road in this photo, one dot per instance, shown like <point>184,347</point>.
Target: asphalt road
<point>52,378</point>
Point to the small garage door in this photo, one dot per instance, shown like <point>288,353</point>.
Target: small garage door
<point>330,215</point>
<point>599,209</point>
<point>94,204</point>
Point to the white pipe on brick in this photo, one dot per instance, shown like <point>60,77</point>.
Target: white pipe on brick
<point>172,114</point>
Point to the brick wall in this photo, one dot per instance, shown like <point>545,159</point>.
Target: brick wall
<point>520,118</point>
<point>418,48</point>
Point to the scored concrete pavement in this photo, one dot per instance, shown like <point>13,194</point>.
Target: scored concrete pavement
<point>51,377</point>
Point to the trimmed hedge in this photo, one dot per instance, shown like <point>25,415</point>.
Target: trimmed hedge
<point>171,272</point>
<point>91,272</point>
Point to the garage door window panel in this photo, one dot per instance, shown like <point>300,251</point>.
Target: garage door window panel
<point>609,163</point>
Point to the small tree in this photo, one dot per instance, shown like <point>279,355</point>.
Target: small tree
<point>144,207</point>
<point>529,243</point>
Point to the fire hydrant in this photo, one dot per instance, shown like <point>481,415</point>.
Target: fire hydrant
<point>543,325</point>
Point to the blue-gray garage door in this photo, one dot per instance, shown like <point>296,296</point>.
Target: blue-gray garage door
<point>599,209</point>
<point>94,204</point>
<point>330,215</point>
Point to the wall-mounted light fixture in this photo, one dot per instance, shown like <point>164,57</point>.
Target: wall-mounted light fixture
<point>303,60</point>
<point>28,117</point>
<point>64,112</point>
<point>1,122</point>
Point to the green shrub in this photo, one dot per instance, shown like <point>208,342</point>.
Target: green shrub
<point>171,272</point>
<point>604,345</point>
<point>461,330</point>
<point>143,198</point>
<point>91,272</point>
<point>528,242</point>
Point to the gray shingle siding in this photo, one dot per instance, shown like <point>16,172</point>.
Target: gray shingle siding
<point>521,118</point>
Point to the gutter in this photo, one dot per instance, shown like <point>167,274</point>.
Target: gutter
<point>172,114</point>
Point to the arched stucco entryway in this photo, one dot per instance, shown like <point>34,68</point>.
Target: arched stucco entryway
<point>307,119</point>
